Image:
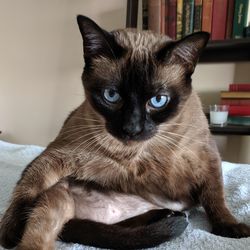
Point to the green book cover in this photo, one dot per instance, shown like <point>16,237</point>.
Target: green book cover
<point>187,17</point>
<point>239,120</point>
<point>240,17</point>
<point>179,19</point>
<point>197,15</point>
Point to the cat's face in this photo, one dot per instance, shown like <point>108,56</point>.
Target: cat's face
<point>137,80</point>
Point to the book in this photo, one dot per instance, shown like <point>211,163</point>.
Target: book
<point>166,19</point>
<point>145,14</point>
<point>207,8</point>
<point>219,20</point>
<point>235,110</point>
<point>248,14</point>
<point>239,120</point>
<point>240,18</point>
<point>230,19</point>
<point>162,16</point>
<point>235,94</point>
<point>187,17</point>
<point>154,15</point>
<point>197,15</point>
<point>179,19</point>
<point>239,87</point>
<point>172,18</point>
<point>238,102</point>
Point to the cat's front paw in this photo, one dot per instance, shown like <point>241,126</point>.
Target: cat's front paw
<point>13,223</point>
<point>10,234</point>
<point>239,230</point>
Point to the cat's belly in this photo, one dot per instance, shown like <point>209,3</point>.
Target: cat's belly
<point>111,207</point>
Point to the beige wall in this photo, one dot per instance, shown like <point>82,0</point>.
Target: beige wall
<point>41,64</point>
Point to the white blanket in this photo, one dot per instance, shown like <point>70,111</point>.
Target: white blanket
<point>13,159</point>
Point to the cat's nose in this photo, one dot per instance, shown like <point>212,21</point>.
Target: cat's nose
<point>132,129</point>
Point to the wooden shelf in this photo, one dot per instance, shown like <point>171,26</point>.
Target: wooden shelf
<point>230,130</point>
<point>233,50</point>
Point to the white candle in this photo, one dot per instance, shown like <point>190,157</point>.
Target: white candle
<point>218,117</point>
<point>218,114</point>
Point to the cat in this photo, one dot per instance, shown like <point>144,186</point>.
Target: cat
<point>129,160</point>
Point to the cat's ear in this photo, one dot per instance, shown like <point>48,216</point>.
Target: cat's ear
<point>96,41</point>
<point>187,50</point>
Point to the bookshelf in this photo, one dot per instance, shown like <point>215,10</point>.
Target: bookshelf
<point>230,130</point>
<point>232,50</point>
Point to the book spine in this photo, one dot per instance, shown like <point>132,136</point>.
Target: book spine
<point>239,87</point>
<point>162,16</point>
<point>248,14</point>
<point>230,19</point>
<point>239,102</point>
<point>240,18</point>
<point>166,17</point>
<point>235,94</point>
<point>239,110</point>
<point>207,11</point>
<point>219,20</point>
<point>179,19</point>
<point>154,15</point>
<point>197,15</point>
<point>145,14</point>
<point>172,5</point>
<point>239,120</point>
<point>187,17</point>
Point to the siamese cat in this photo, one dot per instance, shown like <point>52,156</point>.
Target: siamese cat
<point>131,158</point>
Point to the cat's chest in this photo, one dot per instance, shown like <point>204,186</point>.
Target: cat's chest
<point>142,177</point>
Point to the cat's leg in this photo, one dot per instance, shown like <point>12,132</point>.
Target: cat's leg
<point>38,176</point>
<point>213,201</point>
<point>53,209</point>
<point>143,231</point>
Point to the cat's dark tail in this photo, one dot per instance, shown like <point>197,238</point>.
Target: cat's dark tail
<point>143,231</point>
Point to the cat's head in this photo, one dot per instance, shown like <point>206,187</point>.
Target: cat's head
<point>137,80</point>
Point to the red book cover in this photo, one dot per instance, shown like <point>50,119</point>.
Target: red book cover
<point>235,110</point>
<point>172,5</point>
<point>237,102</point>
<point>166,16</point>
<point>230,19</point>
<point>162,16</point>
<point>207,8</point>
<point>154,15</point>
<point>239,87</point>
<point>219,20</point>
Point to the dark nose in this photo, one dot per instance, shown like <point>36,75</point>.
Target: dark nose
<point>133,125</point>
<point>132,128</point>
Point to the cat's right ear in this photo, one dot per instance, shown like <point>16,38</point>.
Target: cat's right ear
<point>96,41</point>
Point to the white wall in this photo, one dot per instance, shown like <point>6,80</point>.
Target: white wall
<point>41,64</point>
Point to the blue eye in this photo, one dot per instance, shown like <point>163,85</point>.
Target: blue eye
<point>111,95</point>
<point>159,101</point>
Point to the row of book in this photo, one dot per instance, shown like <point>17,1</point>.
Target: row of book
<point>238,99</point>
<point>224,19</point>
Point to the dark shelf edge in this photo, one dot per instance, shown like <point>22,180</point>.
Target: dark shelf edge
<point>230,130</point>
<point>233,50</point>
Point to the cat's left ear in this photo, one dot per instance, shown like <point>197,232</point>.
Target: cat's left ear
<point>97,41</point>
<point>187,50</point>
